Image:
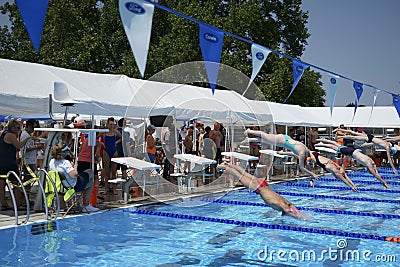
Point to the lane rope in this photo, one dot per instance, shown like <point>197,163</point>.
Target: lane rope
<point>342,212</point>
<point>363,199</point>
<point>390,191</point>
<point>357,181</point>
<point>264,225</point>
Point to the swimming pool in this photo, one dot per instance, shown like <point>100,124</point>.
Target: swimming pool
<point>235,229</point>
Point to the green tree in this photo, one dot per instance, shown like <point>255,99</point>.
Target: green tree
<point>89,36</point>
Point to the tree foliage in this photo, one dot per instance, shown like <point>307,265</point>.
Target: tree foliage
<point>89,36</point>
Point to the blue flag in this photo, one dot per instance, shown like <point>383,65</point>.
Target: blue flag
<point>211,41</point>
<point>333,85</point>
<point>33,13</point>
<point>298,70</point>
<point>396,103</point>
<point>358,88</point>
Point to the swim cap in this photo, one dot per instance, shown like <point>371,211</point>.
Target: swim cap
<point>393,150</point>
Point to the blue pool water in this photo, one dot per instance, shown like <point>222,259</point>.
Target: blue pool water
<point>205,233</point>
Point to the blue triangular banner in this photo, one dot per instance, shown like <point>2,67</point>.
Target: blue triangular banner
<point>396,103</point>
<point>333,85</point>
<point>298,70</point>
<point>33,13</point>
<point>211,41</point>
<point>358,88</point>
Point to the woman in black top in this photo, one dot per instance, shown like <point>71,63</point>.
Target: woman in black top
<point>9,144</point>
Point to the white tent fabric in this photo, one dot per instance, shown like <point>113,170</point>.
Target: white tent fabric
<point>25,88</point>
<point>294,115</point>
<point>382,116</point>
<point>187,102</point>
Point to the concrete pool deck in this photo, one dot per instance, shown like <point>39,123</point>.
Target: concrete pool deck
<point>111,201</point>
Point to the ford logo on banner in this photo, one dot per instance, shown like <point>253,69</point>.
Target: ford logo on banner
<point>259,55</point>
<point>333,81</point>
<point>211,37</point>
<point>135,8</point>
<point>299,68</point>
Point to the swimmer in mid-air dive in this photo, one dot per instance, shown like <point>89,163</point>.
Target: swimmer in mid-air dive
<point>378,142</point>
<point>327,165</point>
<point>355,154</point>
<point>260,186</point>
<point>285,141</point>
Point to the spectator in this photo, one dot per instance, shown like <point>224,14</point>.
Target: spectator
<point>80,182</point>
<point>8,159</point>
<point>312,138</point>
<point>111,139</point>
<point>217,137</point>
<point>131,145</point>
<point>123,146</point>
<point>29,150</point>
<point>300,136</point>
<point>339,133</point>
<point>169,146</point>
<point>151,143</point>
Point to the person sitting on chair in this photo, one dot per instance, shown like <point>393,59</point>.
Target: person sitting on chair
<point>83,182</point>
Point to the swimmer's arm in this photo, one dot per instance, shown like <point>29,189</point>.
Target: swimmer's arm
<point>350,132</point>
<point>367,144</point>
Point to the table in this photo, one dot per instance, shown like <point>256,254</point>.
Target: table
<point>275,153</point>
<point>140,166</point>
<point>199,163</point>
<point>240,156</point>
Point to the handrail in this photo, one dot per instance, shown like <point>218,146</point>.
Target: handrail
<point>55,191</point>
<point>10,189</point>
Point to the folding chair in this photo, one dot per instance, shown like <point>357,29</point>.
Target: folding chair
<point>63,188</point>
<point>31,182</point>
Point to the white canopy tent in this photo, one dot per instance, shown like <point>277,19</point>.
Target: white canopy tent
<point>294,115</point>
<point>25,88</point>
<point>381,116</point>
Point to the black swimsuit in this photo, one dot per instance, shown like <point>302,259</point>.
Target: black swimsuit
<point>316,155</point>
<point>345,150</point>
<point>370,137</point>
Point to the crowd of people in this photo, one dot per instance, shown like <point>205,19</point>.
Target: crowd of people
<point>22,147</point>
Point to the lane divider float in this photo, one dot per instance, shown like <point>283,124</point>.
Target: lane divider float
<point>264,225</point>
<point>342,212</point>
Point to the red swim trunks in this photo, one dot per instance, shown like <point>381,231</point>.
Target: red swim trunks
<point>261,184</point>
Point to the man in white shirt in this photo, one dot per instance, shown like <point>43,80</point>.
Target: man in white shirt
<point>29,150</point>
<point>132,140</point>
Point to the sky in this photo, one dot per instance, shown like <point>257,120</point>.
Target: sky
<point>357,39</point>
